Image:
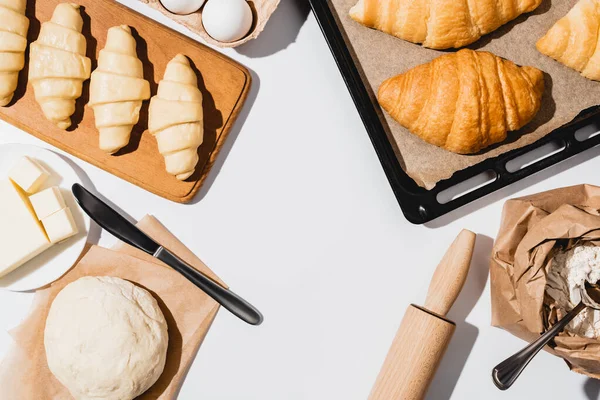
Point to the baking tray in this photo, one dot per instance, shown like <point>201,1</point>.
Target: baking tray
<point>418,204</point>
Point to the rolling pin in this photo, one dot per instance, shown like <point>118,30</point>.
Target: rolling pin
<point>425,332</point>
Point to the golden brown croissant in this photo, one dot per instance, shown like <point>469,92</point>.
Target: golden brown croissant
<point>573,40</point>
<point>439,24</point>
<point>465,101</point>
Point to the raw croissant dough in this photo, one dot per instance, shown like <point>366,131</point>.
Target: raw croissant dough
<point>573,40</point>
<point>439,24</point>
<point>464,101</point>
<point>105,339</point>
<point>176,118</point>
<point>58,65</point>
<point>13,41</point>
<point>117,89</point>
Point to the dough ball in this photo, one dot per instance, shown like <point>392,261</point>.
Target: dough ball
<point>106,339</point>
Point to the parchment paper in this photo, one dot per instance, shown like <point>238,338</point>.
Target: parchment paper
<point>381,56</point>
<point>24,373</point>
<point>533,228</point>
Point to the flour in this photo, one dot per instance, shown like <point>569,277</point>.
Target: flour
<point>565,284</point>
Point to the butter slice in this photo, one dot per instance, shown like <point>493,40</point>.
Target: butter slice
<point>60,225</point>
<point>47,202</point>
<point>28,174</point>
<point>22,236</point>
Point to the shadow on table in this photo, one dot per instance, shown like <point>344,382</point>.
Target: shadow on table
<point>465,335</point>
<point>591,388</point>
<point>281,30</point>
<point>230,140</point>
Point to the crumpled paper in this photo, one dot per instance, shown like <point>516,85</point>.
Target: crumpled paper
<point>533,229</point>
<point>24,373</point>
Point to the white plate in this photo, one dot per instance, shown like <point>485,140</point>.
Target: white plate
<point>58,259</point>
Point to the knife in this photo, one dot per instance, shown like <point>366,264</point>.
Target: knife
<point>124,230</point>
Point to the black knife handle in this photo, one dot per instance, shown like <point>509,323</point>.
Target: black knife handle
<point>225,297</point>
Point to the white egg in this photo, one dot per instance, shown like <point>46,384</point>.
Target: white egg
<point>182,6</point>
<point>227,20</point>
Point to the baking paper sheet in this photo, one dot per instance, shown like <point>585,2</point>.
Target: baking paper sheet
<point>381,56</point>
<point>24,373</point>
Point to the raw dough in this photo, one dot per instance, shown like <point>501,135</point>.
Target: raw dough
<point>105,338</point>
<point>176,118</point>
<point>58,65</point>
<point>13,42</point>
<point>117,89</point>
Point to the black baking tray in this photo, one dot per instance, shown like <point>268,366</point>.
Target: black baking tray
<point>418,204</point>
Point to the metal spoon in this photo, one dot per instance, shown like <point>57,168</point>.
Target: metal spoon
<point>507,372</point>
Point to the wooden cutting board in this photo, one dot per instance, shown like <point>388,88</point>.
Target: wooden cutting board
<point>223,82</point>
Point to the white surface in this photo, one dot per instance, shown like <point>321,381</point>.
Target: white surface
<point>58,259</point>
<point>298,217</point>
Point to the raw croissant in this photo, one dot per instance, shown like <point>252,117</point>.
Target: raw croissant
<point>117,89</point>
<point>573,40</point>
<point>465,101</point>
<point>439,24</point>
<point>176,118</point>
<point>13,41</point>
<point>58,65</point>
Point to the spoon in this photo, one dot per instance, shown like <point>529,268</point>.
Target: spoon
<point>507,372</point>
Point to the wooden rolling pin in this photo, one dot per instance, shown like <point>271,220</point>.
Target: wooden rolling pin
<point>424,333</point>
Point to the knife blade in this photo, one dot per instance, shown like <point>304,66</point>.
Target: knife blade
<point>120,227</point>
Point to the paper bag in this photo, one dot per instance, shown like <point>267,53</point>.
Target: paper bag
<point>533,229</point>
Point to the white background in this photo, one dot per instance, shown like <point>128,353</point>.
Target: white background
<point>298,217</point>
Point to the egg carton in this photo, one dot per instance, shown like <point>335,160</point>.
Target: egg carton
<point>262,10</point>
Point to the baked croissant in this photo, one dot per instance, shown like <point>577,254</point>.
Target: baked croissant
<point>13,42</point>
<point>176,118</point>
<point>464,101</point>
<point>58,65</point>
<point>573,40</point>
<point>117,89</point>
<point>439,24</point>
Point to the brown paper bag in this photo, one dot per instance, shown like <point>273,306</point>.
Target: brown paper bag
<point>533,228</point>
<point>24,374</point>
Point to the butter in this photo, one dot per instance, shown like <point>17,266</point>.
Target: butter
<point>22,237</point>
<point>60,225</point>
<point>28,174</point>
<point>47,202</point>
